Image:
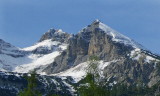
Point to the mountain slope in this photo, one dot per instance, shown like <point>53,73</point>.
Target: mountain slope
<point>7,54</point>
<point>12,83</point>
<point>59,54</point>
<point>37,56</point>
<point>133,64</point>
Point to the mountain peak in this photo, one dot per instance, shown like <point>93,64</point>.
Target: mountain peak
<point>59,30</point>
<point>6,46</point>
<point>55,35</point>
<point>96,21</point>
<point>1,41</point>
<point>116,36</point>
<point>52,30</point>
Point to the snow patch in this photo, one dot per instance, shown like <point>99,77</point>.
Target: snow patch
<point>79,72</point>
<point>37,62</point>
<point>135,54</point>
<point>117,37</point>
<point>28,60</point>
<point>46,43</point>
<point>149,59</point>
<point>71,88</point>
<point>103,64</point>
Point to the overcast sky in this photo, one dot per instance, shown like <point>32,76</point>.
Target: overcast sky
<point>23,22</point>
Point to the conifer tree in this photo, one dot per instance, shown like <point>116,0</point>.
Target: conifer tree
<point>91,85</point>
<point>31,89</point>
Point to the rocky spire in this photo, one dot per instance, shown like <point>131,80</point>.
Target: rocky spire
<point>55,35</point>
<point>48,35</point>
<point>97,21</point>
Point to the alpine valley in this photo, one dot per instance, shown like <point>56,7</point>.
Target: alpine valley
<point>61,60</point>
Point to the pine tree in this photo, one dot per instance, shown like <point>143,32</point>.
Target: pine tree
<point>31,89</point>
<point>91,84</point>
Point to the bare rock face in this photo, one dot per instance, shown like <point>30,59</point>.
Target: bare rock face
<point>55,35</point>
<point>48,35</point>
<point>93,40</point>
<point>90,41</point>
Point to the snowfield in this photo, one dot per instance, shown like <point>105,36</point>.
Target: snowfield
<point>79,72</point>
<point>30,60</point>
<point>117,37</point>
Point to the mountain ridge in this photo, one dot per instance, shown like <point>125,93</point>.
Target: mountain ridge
<point>57,53</point>
<point>57,35</point>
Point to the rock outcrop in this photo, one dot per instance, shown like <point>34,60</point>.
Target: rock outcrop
<point>94,40</point>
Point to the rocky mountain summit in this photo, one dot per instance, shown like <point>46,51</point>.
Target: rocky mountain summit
<point>57,53</point>
<point>55,35</point>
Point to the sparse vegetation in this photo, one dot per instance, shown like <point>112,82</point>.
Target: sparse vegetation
<point>93,85</point>
<point>90,84</point>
